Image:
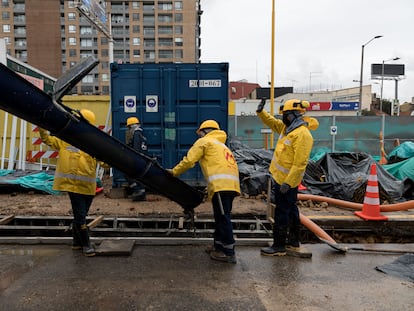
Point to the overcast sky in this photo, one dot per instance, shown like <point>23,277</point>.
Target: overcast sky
<point>318,43</point>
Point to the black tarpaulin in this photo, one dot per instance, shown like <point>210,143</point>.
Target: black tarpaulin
<point>402,267</point>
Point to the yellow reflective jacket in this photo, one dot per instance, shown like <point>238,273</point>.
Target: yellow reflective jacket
<point>75,169</point>
<point>292,151</point>
<point>217,163</point>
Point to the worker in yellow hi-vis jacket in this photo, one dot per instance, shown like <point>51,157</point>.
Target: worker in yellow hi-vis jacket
<point>287,168</point>
<point>220,169</point>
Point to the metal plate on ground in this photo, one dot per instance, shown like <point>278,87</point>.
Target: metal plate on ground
<point>115,248</point>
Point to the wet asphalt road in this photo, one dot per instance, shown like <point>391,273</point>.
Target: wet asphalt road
<point>53,277</point>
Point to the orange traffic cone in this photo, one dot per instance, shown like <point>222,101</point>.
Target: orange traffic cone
<point>371,206</point>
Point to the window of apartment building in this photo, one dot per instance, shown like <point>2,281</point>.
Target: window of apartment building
<point>21,55</point>
<point>135,28</point>
<point>119,55</point>
<point>135,16</point>
<point>71,4</point>
<point>117,19</point>
<point>165,42</point>
<point>5,15</point>
<point>105,89</point>
<point>7,40</point>
<point>104,65</point>
<point>178,54</point>
<point>165,18</point>
<point>165,30</point>
<point>136,53</point>
<point>178,5</point>
<point>149,31</point>
<point>86,30</point>
<point>148,7</point>
<point>6,28</point>
<point>21,43</point>
<point>105,77</point>
<point>86,54</point>
<point>178,17</point>
<point>149,55</point>
<point>165,6</point>
<point>88,79</point>
<point>165,53</point>
<point>136,41</point>
<point>149,19</point>
<point>117,6</point>
<point>4,3</point>
<point>178,30</point>
<point>19,6</point>
<point>20,30</point>
<point>104,52</point>
<point>178,41</point>
<point>72,53</point>
<point>21,18</point>
<point>87,89</point>
<point>71,16</point>
<point>72,41</point>
<point>149,43</point>
<point>104,40</point>
<point>86,43</point>
<point>72,28</point>
<point>135,5</point>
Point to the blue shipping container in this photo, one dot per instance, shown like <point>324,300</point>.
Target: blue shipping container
<point>170,100</point>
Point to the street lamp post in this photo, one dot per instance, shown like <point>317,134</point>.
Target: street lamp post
<point>361,75</point>
<point>382,78</point>
<point>310,79</point>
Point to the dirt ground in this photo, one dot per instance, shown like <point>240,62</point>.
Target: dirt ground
<point>38,204</point>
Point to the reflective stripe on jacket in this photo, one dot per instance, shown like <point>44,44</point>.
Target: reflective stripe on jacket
<point>75,169</point>
<point>217,163</point>
<point>292,151</point>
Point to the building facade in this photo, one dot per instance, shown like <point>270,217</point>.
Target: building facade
<point>53,36</point>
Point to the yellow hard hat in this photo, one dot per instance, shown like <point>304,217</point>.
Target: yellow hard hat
<point>294,104</point>
<point>88,115</point>
<point>208,124</point>
<point>132,120</point>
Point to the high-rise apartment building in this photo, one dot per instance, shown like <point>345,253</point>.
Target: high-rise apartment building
<point>53,36</point>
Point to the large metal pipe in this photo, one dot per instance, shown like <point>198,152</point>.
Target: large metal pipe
<point>22,99</point>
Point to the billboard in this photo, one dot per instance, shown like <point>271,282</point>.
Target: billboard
<point>330,106</point>
<point>390,70</point>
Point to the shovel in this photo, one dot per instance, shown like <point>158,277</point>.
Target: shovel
<point>344,249</point>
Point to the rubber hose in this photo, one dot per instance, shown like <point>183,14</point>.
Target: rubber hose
<point>318,231</point>
<point>402,206</point>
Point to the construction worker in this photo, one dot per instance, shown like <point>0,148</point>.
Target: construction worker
<point>135,138</point>
<point>220,169</point>
<point>76,175</point>
<point>287,168</point>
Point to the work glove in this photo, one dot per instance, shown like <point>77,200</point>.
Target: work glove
<point>284,188</point>
<point>261,105</point>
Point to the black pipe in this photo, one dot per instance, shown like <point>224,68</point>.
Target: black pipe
<point>24,100</point>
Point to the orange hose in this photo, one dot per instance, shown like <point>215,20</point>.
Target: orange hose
<point>318,231</point>
<point>403,206</point>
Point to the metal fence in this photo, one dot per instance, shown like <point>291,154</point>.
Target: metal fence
<point>335,133</point>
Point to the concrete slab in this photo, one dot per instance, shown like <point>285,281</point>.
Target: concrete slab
<point>115,248</point>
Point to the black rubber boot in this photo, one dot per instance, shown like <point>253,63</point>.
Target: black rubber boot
<point>279,243</point>
<point>293,247</point>
<point>76,241</point>
<point>294,236</point>
<point>87,248</point>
